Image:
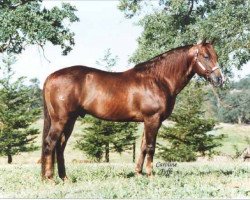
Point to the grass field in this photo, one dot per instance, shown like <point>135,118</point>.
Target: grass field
<point>188,180</point>
<point>202,179</point>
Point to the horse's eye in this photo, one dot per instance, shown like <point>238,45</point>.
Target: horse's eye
<point>206,57</point>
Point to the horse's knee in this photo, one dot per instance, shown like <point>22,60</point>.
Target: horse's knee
<point>150,149</point>
<point>47,145</point>
<point>51,140</point>
<point>144,149</point>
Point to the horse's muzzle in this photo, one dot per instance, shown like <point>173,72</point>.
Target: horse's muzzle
<point>216,81</point>
<point>216,78</point>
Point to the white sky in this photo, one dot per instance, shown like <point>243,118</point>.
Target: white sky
<point>101,26</point>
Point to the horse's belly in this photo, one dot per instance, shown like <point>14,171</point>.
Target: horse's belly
<point>113,114</point>
<point>118,117</point>
<point>113,109</point>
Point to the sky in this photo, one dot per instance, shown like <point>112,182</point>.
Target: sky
<point>101,26</point>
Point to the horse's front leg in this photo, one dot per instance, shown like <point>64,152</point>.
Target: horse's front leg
<point>152,125</point>
<point>140,161</point>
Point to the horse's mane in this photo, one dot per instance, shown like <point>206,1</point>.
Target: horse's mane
<point>172,58</point>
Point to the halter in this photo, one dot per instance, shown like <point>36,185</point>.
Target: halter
<point>202,66</point>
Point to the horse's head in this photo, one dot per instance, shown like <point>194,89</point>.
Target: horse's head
<point>205,63</point>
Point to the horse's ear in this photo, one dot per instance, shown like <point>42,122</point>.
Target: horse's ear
<point>203,42</point>
<point>213,41</point>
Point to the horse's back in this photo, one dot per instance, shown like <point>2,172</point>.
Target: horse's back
<point>79,72</point>
<point>73,72</point>
<point>100,93</point>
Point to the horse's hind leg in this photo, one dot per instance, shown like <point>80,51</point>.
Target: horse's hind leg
<point>50,141</point>
<point>60,147</point>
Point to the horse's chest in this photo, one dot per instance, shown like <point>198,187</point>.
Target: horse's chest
<point>169,106</point>
<point>151,104</point>
<point>161,105</point>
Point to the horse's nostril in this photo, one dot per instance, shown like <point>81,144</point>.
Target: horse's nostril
<point>219,79</point>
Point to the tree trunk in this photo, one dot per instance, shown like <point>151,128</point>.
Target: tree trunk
<point>134,145</point>
<point>9,159</point>
<point>107,152</point>
<point>239,119</point>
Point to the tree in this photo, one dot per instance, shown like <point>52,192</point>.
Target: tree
<point>233,104</point>
<point>36,91</point>
<point>189,137</point>
<point>101,136</point>
<point>27,22</point>
<point>177,23</point>
<point>16,114</point>
<point>236,108</point>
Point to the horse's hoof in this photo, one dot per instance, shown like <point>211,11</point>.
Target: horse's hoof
<point>139,174</point>
<point>48,175</point>
<point>49,180</point>
<point>65,179</point>
<point>150,176</point>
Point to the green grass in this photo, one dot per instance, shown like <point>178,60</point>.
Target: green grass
<point>188,180</point>
<point>201,179</point>
<point>236,135</point>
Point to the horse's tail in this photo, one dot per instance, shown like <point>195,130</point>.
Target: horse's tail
<point>46,128</point>
<point>47,120</point>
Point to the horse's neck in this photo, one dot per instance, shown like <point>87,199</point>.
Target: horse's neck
<point>172,70</point>
<point>176,85</point>
<point>177,79</point>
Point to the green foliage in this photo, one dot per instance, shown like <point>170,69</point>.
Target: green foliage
<point>178,23</point>
<point>232,105</point>
<point>103,136</point>
<point>35,91</point>
<point>17,112</point>
<point>26,22</point>
<point>236,107</point>
<point>189,137</point>
<point>129,7</point>
<point>108,61</point>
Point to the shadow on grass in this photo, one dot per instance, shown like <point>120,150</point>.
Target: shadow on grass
<point>130,175</point>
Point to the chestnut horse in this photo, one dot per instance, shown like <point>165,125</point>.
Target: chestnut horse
<point>145,93</point>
